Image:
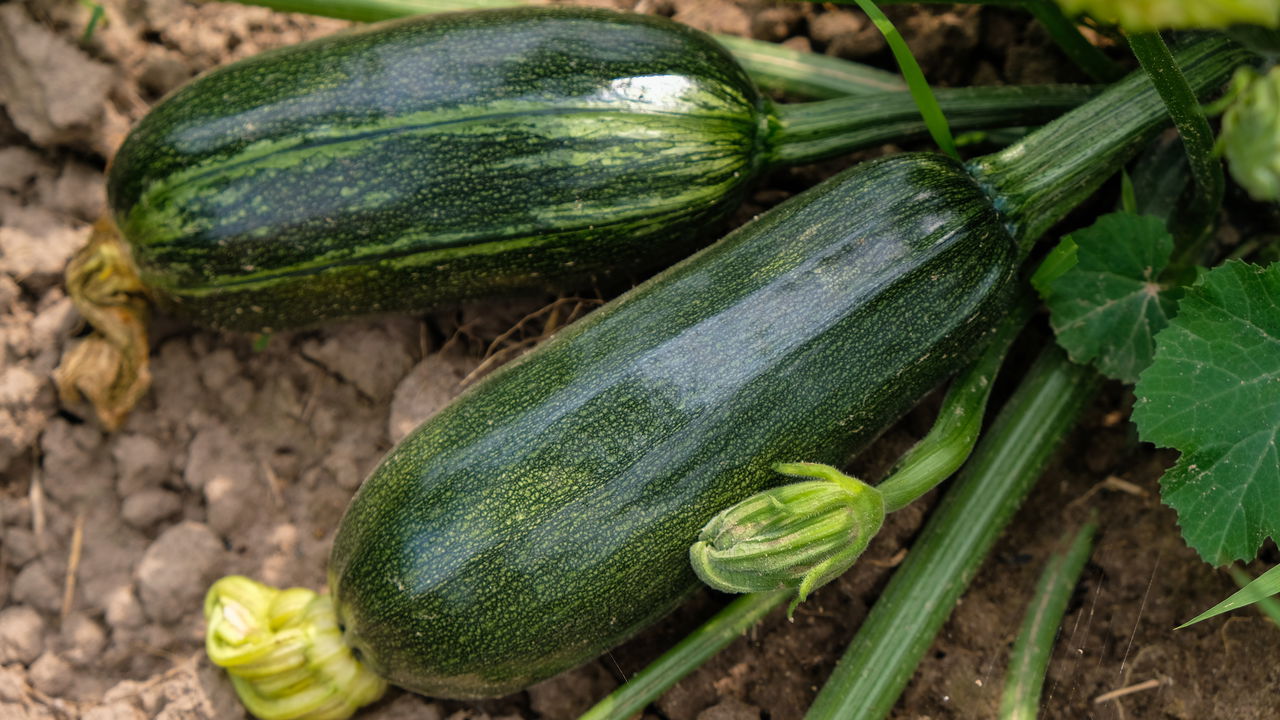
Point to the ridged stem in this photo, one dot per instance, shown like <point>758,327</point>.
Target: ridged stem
<point>712,636</point>
<point>1029,660</point>
<point>919,598</point>
<point>810,131</point>
<point>1038,180</point>
<point>1197,138</point>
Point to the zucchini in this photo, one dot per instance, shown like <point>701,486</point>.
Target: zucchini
<point>548,515</point>
<point>422,161</point>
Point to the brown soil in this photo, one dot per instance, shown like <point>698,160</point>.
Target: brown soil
<point>241,459</point>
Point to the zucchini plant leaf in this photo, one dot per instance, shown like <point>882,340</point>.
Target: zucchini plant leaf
<point>1262,587</point>
<point>1108,306</point>
<point>1213,392</point>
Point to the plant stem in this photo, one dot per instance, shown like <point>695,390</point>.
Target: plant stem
<point>929,109</point>
<point>950,549</point>
<point>813,130</point>
<point>1064,32</point>
<point>1197,139</point>
<point>954,433</point>
<point>722,629</point>
<point>1035,182</point>
<point>1034,646</point>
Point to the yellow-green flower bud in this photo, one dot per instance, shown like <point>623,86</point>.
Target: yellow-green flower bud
<point>284,652</point>
<point>800,535</point>
<point>1250,137</point>
<point>1147,15</point>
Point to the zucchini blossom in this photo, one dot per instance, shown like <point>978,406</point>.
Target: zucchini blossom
<point>1250,137</point>
<point>1148,15</point>
<point>284,652</point>
<point>800,535</point>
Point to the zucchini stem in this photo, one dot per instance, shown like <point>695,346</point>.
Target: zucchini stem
<point>805,132</point>
<point>955,432</point>
<point>1197,139</point>
<point>1038,180</point>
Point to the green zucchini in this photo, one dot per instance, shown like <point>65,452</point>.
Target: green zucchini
<point>548,515</point>
<point>427,160</point>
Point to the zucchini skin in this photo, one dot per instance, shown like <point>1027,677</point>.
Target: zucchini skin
<point>427,160</point>
<point>546,515</point>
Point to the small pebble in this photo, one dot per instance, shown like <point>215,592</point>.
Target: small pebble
<point>51,674</point>
<point>140,463</point>
<point>84,638</point>
<point>123,611</point>
<point>35,586</point>
<point>177,569</point>
<point>145,509</point>
<point>21,635</point>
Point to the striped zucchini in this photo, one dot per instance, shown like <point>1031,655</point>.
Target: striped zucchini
<point>426,160</point>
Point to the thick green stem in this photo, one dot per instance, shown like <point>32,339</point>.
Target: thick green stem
<point>1034,646</point>
<point>950,549</point>
<point>1037,181</point>
<point>722,629</point>
<point>1197,138</point>
<point>954,433</point>
<point>810,131</point>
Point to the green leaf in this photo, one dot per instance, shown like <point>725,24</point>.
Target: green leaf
<point>1059,260</point>
<point>1107,308</point>
<point>1213,392</point>
<point>1262,587</point>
